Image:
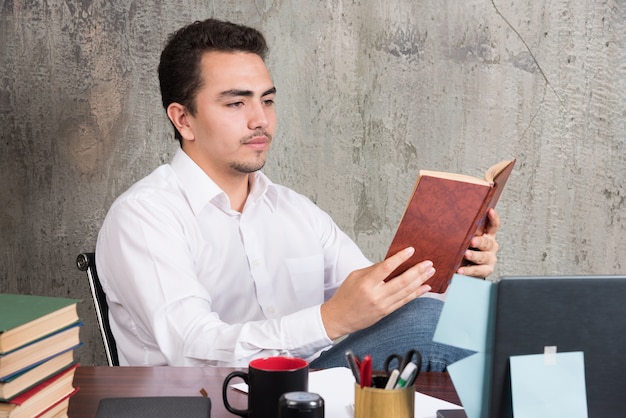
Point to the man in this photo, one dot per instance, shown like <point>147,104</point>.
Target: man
<point>207,262</point>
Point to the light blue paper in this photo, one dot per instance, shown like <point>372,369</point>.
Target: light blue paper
<point>472,383</point>
<point>544,387</point>
<point>466,321</point>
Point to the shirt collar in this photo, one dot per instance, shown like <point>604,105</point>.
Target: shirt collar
<point>262,188</point>
<point>200,189</point>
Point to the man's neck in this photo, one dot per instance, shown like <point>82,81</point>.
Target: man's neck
<point>235,184</point>
<point>237,190</point>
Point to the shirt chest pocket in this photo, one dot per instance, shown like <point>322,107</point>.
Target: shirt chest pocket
<point>306,275</point>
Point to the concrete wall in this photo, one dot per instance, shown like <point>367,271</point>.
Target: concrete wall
<point>369,93</point>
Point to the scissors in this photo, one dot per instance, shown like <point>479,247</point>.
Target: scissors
<point>403,361</point>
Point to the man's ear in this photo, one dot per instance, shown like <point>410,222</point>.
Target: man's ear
<point>179,115</point>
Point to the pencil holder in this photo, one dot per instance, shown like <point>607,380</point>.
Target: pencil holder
<point>370,402</point>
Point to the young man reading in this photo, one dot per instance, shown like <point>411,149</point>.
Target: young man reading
<point>207,262</point>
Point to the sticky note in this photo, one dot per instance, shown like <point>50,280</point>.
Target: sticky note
<point>466,317</point>
<point>549,385</point>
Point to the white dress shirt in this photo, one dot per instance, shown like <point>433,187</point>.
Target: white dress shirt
<point>190,281</point>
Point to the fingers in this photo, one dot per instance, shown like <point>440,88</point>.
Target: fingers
<point>493,222</point>
<point>423,268</point>
<point>401,289</point>
<point>393,262</point>
<point>491,225</point>
<point>480,271</point>
<point>409,285</point>
<point>482,256</point>
<point>484,243</point>
<point>483,249</point>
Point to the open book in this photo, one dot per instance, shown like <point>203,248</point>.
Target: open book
<point>443,214</point>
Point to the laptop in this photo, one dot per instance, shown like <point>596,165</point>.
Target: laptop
<point>573,313</point>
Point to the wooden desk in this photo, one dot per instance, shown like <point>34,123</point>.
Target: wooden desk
<point>96,383</point>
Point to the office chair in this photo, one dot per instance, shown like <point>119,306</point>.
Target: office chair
<point>87,262</point>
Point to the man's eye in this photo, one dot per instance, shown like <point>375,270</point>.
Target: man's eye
<point>269,102</point>
<point>236,104</point>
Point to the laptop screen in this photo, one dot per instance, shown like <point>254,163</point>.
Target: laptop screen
<point>573,313</point>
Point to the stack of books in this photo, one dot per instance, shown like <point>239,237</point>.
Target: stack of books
<point>38,337</point>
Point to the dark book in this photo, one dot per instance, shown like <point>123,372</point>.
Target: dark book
<point>155,407</point>
<point>25,318</point>
<point>451,413</point>
<point>443,214</point>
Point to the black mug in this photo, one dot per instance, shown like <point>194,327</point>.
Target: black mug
<point>268,378</point>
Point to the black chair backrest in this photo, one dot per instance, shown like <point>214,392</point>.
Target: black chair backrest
<point>87,262</point>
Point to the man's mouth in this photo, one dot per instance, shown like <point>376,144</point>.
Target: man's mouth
<point>258,141</point>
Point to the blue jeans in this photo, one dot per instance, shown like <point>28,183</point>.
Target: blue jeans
<point>410,327</point>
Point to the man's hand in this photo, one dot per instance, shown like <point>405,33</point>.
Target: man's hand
<point>484,247</point>
<point>364,297</point>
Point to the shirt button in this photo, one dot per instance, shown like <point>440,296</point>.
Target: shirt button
<point>271,310</point>
<point>256,263</point>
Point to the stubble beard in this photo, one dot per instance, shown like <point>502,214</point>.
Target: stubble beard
<point>251,167</point>
<point>247,168</point>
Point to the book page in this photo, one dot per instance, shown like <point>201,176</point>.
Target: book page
<point>495,169</point>
<point>491,173</point>
<point>453,176</point>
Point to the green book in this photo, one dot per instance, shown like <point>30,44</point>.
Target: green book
<point>22,381</point>
<point>26,318</point>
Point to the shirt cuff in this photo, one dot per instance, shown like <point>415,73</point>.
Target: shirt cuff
<point>305,332</point>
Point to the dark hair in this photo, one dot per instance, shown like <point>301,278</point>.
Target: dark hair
<point>179,67</point>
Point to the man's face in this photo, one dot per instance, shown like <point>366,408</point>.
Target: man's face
<point>235,119</point>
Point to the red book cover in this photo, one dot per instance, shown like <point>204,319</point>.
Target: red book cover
<point>443,214</point>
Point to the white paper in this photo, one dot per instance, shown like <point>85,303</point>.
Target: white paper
<point>336,387</point>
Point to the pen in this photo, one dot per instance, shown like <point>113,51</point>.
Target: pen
<point>407,377</point>
<point>393,378</point>
<point>352,362</point>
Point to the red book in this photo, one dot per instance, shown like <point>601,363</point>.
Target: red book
<point>59,408</point>
<point>443,214</point>
<point>42,397</point>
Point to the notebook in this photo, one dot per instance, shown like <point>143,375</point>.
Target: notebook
<point>573,313</point>
<point>451,413</point>
<point>155,407</point>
